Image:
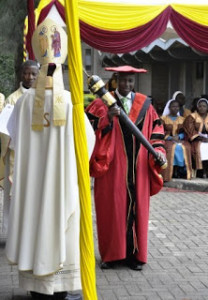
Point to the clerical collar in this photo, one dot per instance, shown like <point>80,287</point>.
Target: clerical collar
<point>120,96</point>
<point>23,89</point>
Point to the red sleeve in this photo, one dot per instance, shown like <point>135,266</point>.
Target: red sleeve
<point>104,145</point>
<point>97,112</point>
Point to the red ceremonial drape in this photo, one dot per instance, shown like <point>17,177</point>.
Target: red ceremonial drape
<point>192,33</point>
<point>31,28</point>
<point>61,10</point>
<point>46,9</point>
<point>128,40</point>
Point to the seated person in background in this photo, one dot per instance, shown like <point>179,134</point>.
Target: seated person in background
<point>178,150</point>
<point>194,104</point>
<point>179,96</point>
<point>196,127</point>
<point>158,105</point>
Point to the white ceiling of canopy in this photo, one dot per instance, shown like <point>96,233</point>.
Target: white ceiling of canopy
<point>55,16</point>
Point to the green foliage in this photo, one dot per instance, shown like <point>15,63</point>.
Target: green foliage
<point>12,15</point>
<point>36,3</point>
<point>88,98</point>
<point>7,74</point>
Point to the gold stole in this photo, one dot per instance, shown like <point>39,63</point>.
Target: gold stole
<point>59,106</point>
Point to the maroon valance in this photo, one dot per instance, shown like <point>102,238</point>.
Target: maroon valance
<point>128,40</point>
<point>46,9</point>
<point>192,33</point>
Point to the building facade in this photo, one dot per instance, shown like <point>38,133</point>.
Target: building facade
<point>172,65</point>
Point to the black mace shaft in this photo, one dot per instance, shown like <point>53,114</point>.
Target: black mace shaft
<point>97,86</point>
<point>137,133</point>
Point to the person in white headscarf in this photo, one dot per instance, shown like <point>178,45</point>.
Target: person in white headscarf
<point>196,128</point>
<point>178,149</point>
<point>179,96</point>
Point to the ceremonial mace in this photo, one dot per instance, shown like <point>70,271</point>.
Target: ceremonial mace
<point>97,86</point>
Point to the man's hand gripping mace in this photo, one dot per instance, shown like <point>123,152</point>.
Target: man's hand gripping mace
<point>97,86</point>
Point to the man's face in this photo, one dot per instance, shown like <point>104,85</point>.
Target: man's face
<point>126,83</point>
<point>29,75</point>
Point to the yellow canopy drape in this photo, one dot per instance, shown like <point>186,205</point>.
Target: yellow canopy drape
<point>197,13</point>
<point>76,86</point>
<point>117,16</point>
<point>124,16</point>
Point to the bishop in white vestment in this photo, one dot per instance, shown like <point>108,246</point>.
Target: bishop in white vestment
<point>44,220</point>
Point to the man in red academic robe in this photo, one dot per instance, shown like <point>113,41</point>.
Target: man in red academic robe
<point>126,175</point>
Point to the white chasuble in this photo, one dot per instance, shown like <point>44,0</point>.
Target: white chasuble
<point>44,220</point>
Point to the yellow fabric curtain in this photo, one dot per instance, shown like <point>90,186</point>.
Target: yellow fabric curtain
<point>44,3</point>
<point>197,13</point>
<point>76,86</point>
<point>24,38</point>
<point>117,16</point>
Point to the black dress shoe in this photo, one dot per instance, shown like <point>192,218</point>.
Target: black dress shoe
<point>135,265</point>
<point>106,265</point>
<point>39,296</point>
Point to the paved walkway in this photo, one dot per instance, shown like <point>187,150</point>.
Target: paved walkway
<point>195,184</point>
<point>178,256</point>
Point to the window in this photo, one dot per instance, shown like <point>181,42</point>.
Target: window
<point>88,59</point>
<point>199,70</point>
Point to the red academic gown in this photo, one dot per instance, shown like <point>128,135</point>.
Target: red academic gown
<point>109,165</point>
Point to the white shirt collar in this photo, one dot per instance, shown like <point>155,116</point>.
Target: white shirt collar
<point>120,96</point>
